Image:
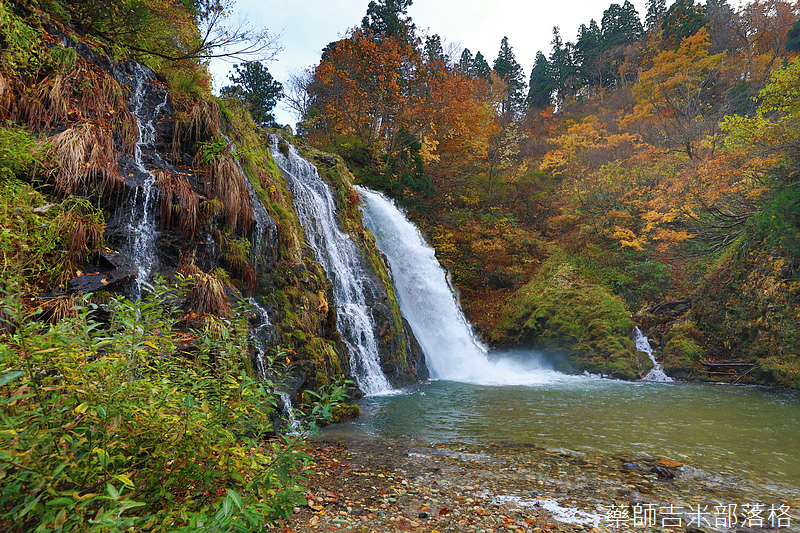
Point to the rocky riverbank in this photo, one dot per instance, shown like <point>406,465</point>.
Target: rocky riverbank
<point>399,486</point>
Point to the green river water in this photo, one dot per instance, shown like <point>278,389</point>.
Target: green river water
<point>749,433</point>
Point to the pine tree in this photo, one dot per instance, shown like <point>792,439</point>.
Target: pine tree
<point>385,18</point>
<point>480,67</point>
<point>511,73</point>
<point>621,25</point>
<point>588,52</point>
<point>683,19</point>
<point>656,9</point>
<point>435,51</point>
<point>255,86</point>
<point>563,66</point>
<point>542,84</point>
<point>465,63</point>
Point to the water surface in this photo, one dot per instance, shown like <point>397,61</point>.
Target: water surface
<point>747,432</point>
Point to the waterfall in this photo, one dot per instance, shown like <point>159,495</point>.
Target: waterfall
<point>423,292</point>
<point>340,258</point>
<point>428,302</point>
<point>141,204</point>
<point>288,411</point>
<point>258,333</point>
<point>643,345</point>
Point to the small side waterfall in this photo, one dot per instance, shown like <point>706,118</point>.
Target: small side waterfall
<point>142,203</point>
<point>643,345</point>
<point>340,257</point>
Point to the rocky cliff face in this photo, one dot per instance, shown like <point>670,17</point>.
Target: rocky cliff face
<point>188,191</point>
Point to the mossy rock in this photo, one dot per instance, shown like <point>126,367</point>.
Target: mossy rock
<point>345,411</point>
<point>683,351</point>
<point>747,309</point>
<point>560,313</point>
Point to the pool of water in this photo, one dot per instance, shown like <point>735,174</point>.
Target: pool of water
<point>749,432</point>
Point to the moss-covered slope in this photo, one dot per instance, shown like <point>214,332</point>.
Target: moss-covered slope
<point>581,325</point>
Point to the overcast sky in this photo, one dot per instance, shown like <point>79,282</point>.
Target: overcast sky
<point>304,27</point>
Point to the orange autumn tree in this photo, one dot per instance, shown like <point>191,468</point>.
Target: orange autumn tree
<point>677,99</point>
<point>358,90</point>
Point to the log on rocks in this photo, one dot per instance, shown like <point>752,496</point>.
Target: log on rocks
<point>671,307</point>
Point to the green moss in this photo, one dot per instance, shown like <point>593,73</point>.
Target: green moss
<point>683,351</point>
<point>560,312</point>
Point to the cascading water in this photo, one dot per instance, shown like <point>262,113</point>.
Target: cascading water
<point>263,322</point>
<point>427,301</point>
<point>340,257</point>
<point>643,345</point>
<point>141,204</point>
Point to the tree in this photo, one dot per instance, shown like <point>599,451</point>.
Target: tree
<point>434,50</point>
<point>588,52</point>
<point>621,25</point>
<point>254,85</point>
<point>173,31</point>
<point>793,38</point>
<point>480,67</point>
<point>384,18</point>
<point>542,84</point>
<point>563,65</point>
<point>683,19</point>
<point>656,9</point>
<point>511,73</point>
<point>677,98</point>
<point>465,63</point>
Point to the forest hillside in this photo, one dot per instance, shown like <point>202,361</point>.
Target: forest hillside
<point>644,172</point>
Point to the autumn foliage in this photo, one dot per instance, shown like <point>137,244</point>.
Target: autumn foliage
<point>665,142</point>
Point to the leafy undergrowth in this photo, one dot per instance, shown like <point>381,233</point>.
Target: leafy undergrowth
<point>750,306</point>
<point>560,312</point>
<point>126,425</point>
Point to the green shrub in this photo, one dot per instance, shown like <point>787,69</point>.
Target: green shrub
<point>108,427</point>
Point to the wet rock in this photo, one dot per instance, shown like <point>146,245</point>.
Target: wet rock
<point>631,466</point>
<point>113,272</point>
<point>662,473</point>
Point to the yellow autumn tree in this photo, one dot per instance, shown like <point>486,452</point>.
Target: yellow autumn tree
<point>677,100</point>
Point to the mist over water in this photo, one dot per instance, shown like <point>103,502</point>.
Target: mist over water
<point>428,302</point>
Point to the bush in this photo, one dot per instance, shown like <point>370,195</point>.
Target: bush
<point>111,426</point>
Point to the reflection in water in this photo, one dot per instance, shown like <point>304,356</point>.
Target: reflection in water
<point>749,432</point>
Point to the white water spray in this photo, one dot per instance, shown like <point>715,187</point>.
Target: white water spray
<point>340,257</point>
<point>427,301</point>
<point>643,345</point>
<point>142,222</point>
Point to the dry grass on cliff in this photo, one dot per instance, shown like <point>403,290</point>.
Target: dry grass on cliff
<point>86,161</point>
<point>178,198</point>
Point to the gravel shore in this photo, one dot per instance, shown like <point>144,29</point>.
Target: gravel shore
<point>379,485</point>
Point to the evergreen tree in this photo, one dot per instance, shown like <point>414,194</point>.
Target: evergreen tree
<point>435,51</point>
<point>385,18</point>
<point>588,51</point>
<point>255,86</point>
<point>480,67</point>
<point>465,63</point>
<point>562,65</point>
<point>542,85</point>
<point>511,73</point>
<point>656,9</point>
<point>683,19</point>
<point>621,25</point>
<point>722,26</point>
<point>793,38</point>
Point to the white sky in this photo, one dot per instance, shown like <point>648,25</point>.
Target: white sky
<point>306,26</point>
